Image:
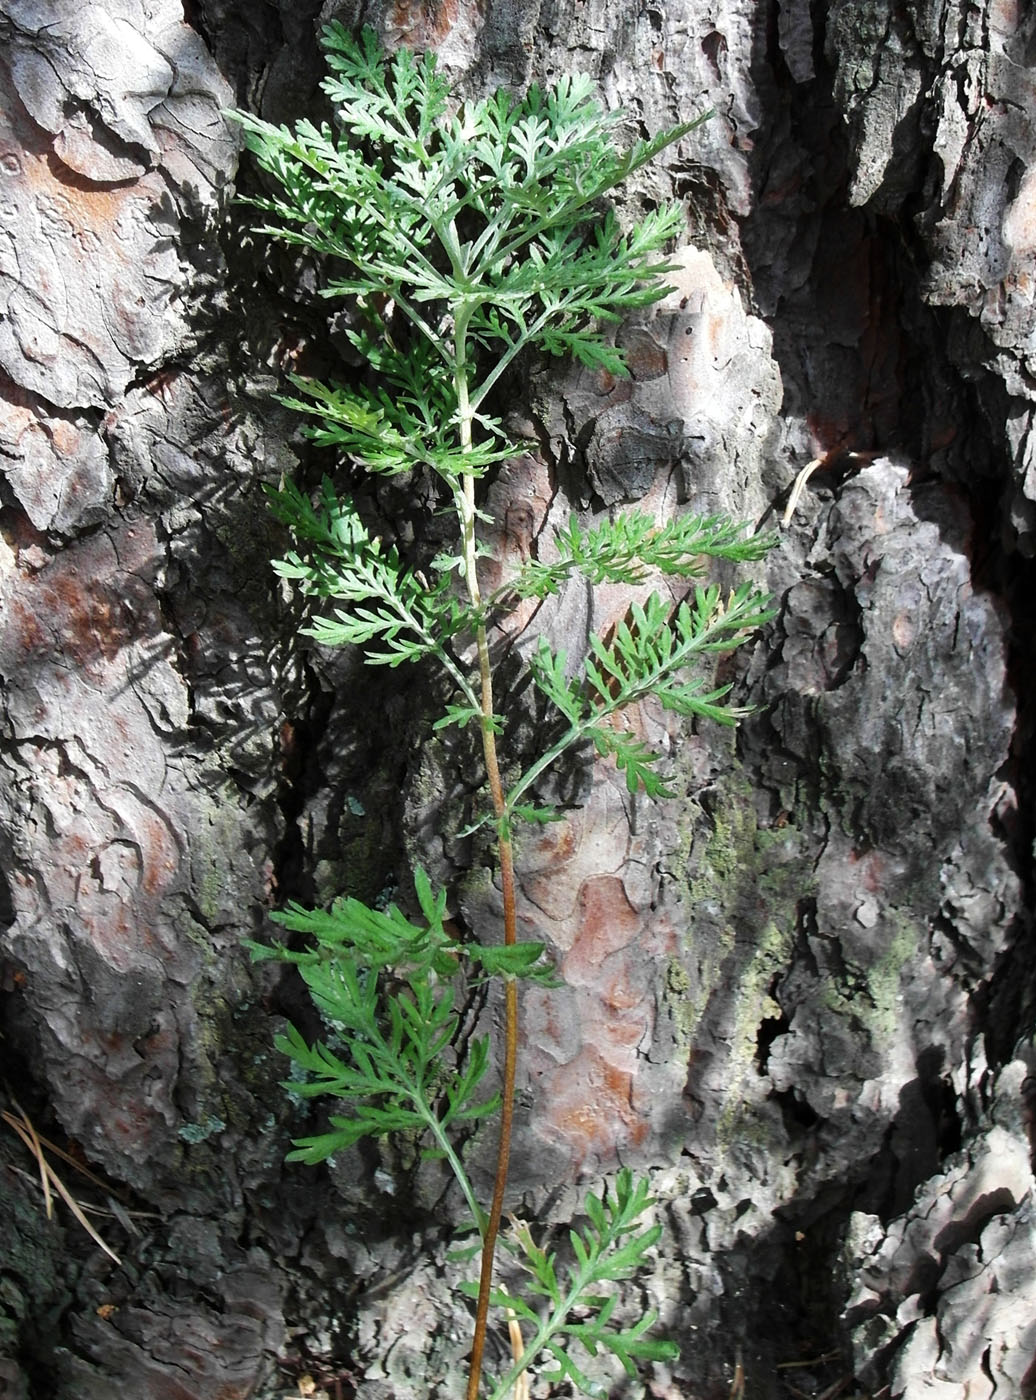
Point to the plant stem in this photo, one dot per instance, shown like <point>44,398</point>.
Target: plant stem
<point>456,1165</point>
<point>547,1329</point>
<point>724,630</point>
<point>466,504</point>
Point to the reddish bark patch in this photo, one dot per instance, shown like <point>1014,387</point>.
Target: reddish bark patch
<point>608,922</point>
<point>425,25</point>
<point>589,1105</point>
<point>872,874</point>
<point>81,610</point>
<point>646,358</point>
<point>86,294</point>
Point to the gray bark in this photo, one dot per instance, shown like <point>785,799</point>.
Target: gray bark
<point>801,995</point>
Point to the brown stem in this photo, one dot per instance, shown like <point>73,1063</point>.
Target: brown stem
<point>466,510</point>
<point>503,1151</point>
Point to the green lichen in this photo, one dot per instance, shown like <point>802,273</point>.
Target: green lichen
<point>198,1132</point>
<point>215,830</point>
<point>884,979</point>
<point>753,1005</point>
<point>744,885</point>
<point>731,840</point>
<point>688,1002</point>
<point>684,1007</point>
<point>227,1030</point>
<point>870,994</point>
<point>33,1295</point>
<point>359,851</point>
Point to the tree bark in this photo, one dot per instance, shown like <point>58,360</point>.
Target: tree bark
<point>801,995</point>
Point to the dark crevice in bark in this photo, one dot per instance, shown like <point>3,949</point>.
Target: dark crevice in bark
<point>1007,1006</point>
<point>769,1031</point>
<point>796,1312</point>
<point>867,368</point>
<point>49,1266</point>
<point>979,465</point>
<point>264,51</point>
<point>301,779</point>
<point>7,908</point>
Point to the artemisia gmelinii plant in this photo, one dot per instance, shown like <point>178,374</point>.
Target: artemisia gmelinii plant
<point>461,236</point>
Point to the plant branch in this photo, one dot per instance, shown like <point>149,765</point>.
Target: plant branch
<point>506,858</point>
<point>456,1165</point>
<point>721,630</point>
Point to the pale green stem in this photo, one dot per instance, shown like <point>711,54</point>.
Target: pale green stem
<point>572,736</point>
<point>422,325</point>
<point>466,507</point>
<point>456,1165</point>
<point>527,338</point>
<point>646,685</point>
<point>544,1332</point>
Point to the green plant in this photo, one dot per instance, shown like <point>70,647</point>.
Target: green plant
<point>462,236</point>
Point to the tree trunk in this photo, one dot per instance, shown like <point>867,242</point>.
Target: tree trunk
<point>801,995</point>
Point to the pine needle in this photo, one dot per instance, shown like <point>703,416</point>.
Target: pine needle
<point>798,487</point>
<point>514,1332</point>
<point>29,1136</point>
<point>49,1177</point>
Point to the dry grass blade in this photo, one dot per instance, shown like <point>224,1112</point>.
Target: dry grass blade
<point>514,1332</point>
<point>30,1137</point>
<point>737,1388</point>
<point>807,471</point>
<point>49,1177</point>
<point>56,1151</point>
<point>798,487</point>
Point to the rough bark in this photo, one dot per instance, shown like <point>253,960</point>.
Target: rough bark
<point>802,994</point>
